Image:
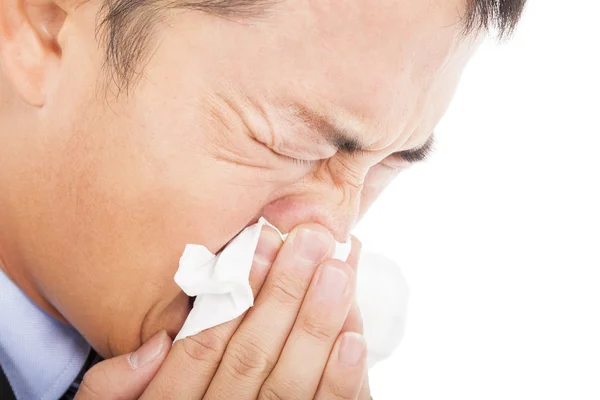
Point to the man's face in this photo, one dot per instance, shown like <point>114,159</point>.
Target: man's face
<point>230,121</point>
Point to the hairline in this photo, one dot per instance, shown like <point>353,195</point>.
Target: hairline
<point>125,59</point>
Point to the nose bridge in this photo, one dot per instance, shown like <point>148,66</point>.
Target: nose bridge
<point>345,185</point>
<point>343,213</point>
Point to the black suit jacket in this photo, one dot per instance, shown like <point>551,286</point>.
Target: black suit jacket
<point>6,392</point>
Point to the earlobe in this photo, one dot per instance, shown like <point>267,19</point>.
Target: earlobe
<point>28,45</point>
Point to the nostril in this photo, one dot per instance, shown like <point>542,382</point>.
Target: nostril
<point>288,212</point>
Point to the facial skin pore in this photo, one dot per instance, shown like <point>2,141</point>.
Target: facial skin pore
<point>228,121</point>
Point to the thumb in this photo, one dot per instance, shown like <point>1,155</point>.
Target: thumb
<point>127,376</point>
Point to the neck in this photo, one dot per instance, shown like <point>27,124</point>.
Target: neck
<point>27,285</point>
<point>13,235</point>
<point>14,266</point>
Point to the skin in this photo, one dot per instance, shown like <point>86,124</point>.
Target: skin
<point>98,191</point>
<point>288,345</point>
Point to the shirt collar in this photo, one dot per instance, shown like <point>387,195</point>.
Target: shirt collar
<point>39,355</point>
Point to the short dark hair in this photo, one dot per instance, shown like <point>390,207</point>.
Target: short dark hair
<point>127,25</point>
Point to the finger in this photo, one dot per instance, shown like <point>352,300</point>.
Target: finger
<point>125,377</point>
<point>345,370</point>
<point>354,323</point>
<point>257,344</point>
<point>354,256</point>
<point>365,390</point>
<point>192,363</point>
<point>321,318</point>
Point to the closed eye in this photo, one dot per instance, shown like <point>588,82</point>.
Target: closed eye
<point>299,161</point>
<point>416,155</point>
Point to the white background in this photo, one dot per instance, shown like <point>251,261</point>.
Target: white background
<point>498,234</point>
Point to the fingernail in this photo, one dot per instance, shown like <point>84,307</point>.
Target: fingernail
<point>149,351</point>
<point>311,245</point>
<point>268,247</point>
<point>332,283</point>
<point>352,349</point>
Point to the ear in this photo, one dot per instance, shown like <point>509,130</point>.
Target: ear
<point>29,48</point>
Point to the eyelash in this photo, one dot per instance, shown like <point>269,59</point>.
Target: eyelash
<point>394,169</point>
<point>308,163</point>
<point>297,161</point>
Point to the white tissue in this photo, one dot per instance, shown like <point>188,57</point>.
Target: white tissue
<point>223,293</point>
<point>382,296</point>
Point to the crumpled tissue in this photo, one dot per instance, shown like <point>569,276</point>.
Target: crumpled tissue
<point>221,286</point>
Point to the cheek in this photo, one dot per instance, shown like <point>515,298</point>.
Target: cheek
<point>127,206</point>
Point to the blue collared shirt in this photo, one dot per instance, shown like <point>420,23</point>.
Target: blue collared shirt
<point>39,355</point>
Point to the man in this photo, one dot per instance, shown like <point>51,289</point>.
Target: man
<point>131,128</point>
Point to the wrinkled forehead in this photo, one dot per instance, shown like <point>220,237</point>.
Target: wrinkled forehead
<point>379,61</point>
<point>417,32</point>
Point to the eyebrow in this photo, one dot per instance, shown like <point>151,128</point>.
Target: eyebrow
<point>349,142</point>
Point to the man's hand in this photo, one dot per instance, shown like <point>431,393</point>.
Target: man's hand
<point>301,340</point>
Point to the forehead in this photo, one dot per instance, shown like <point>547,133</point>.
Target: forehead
<point>386,66</point>
<point>383,64</point>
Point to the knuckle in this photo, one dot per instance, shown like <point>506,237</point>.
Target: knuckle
<point>342,391</point>
<point>343,387</point>
<point>320,330</point>
<point>207,346</point>
<point>95,384</point>
<point>287,291</point>
<point>88,393</point>
<point>248,360</point>
<point>269,393</point>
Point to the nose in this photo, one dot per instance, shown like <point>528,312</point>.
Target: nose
<point>336,208</point>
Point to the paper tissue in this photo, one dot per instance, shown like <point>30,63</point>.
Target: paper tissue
<point>221,286</point>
